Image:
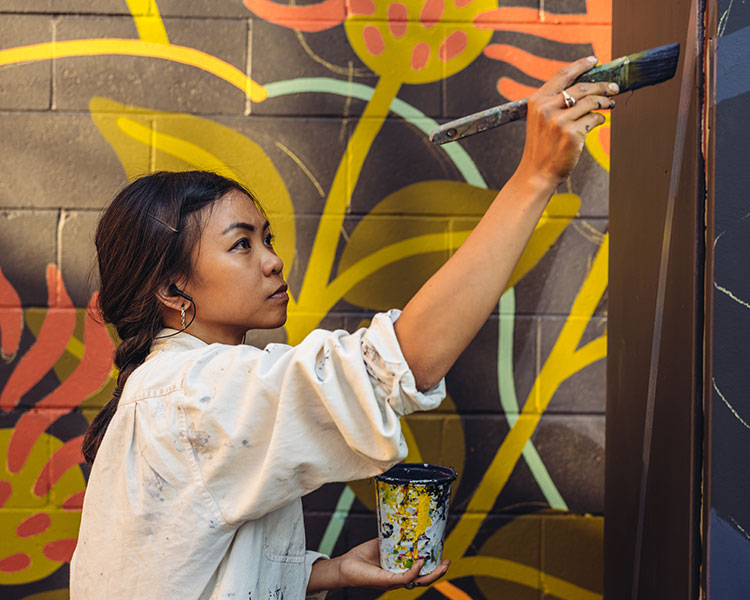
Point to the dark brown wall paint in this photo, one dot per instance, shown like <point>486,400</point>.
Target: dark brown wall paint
<point>643,134</point>
<point>727,381</point>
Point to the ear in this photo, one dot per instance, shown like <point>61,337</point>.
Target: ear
<point>167,299</point>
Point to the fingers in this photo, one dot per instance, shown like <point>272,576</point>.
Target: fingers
<point>565,76</point>
<point>439,571</point>
<point>587,123</point>
<point>407,578</point>
<point>586,105</point>
<point>416,581</point>
<point>584,90</point>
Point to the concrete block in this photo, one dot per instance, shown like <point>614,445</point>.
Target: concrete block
<point>112,7</point>
<point>152,83</point>
<point>400,155</point>
<point>393,285</point>
<point>78,254</point>
<point>52,160</point>
<point>204,9</point>
<point>572,449</point>
<point>316,524</point>
<point>484,435</point>
<point>572,551</point>
<point>27,246</point>
<point>474,382</point>
<point>516,539</point>
<point>23,6</point>
<point>25,86</point>
<point>293,146</point>
<point>320,54</point>
<point>553,284</point>
<point>591,182</point>
<point>586,390</point>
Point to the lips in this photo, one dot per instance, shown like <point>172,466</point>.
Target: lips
<point>280,294</point>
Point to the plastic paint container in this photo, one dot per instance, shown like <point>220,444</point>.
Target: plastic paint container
<point>412,513</point>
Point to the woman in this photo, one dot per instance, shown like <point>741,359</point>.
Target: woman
<point>208,445</point>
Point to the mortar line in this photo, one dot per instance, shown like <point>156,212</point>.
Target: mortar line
<point>52,103</point>
<point>249,64</point>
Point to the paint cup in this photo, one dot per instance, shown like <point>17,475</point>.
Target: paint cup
<point>412,513</point>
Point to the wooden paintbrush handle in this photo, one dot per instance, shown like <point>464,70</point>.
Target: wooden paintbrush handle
<point>480,121</point>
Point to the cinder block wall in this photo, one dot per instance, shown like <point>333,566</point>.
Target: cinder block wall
<point>324,110</point>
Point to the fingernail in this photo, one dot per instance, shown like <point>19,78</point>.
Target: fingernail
<point>614,87</point>
<point>592,59</point>
<point>611,103</point>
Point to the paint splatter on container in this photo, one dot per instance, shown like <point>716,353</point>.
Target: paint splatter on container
<point>412,513</point>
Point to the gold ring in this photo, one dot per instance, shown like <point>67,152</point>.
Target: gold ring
<point>410,585</point>
<point>569,100</point>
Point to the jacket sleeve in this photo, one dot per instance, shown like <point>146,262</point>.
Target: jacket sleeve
<point>268,426</point>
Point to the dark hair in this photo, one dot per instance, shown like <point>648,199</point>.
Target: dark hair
<point>144,241</point>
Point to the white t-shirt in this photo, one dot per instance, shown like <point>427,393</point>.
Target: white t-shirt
<point>196,488</point>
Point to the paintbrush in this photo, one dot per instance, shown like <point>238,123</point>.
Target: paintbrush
<point>628,72</point>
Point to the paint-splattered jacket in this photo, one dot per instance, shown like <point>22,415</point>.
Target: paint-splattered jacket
<point>196,489</point>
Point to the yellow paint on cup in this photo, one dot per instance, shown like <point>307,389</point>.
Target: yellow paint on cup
<point>412,513</point>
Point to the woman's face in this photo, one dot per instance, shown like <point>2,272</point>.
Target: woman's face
<point>237,282</point>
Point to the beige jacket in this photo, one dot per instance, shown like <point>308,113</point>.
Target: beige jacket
<point>196,489</point>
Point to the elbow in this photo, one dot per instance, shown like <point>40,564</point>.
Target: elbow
<point>426,379</point>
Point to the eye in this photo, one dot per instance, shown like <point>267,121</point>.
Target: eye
<point>243,244</point>
<point>268,241</point>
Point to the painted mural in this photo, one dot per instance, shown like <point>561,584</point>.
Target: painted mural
<point>323,109</point>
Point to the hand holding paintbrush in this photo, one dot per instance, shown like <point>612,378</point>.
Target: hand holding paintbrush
<point>629,73</point>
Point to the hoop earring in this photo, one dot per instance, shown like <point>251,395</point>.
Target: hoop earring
<point>182,315</point>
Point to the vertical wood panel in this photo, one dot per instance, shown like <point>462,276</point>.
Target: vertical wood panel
<point>643,133</point>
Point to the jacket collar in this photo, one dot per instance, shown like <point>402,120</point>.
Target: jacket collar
<point>177,340</point>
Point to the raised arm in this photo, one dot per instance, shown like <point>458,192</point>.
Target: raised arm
<point>447,312</point>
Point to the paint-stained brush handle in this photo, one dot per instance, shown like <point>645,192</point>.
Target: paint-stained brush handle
<point>628,72</point>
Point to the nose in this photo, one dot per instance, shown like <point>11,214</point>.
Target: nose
<point>272,263</point>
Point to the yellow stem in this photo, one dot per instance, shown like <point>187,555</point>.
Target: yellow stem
<point>130,47</point>
<point>555,370</point>
<point>504,570</point>
<point>317,296</point>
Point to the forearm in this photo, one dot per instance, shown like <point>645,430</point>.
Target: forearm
<point>444,316</point>
<point>325,575</point>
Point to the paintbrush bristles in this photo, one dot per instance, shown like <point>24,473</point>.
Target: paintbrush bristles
<point>653,66</point>
<point>637,70</point>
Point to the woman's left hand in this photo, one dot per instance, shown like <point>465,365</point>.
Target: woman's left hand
<point>360,567</point>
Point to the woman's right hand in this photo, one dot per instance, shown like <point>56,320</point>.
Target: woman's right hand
<point>555,134</point>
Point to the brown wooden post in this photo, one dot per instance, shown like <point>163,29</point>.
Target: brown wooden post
<point>643,144</point>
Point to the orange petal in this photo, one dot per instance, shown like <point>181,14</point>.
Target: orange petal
<point>86,379</point>
<point>535,66</point>
<point>11,318</point>
<point>512,90</point>
<point>34,525</point>
<point>14,563</point>
<point>54,335</point>
<point>75,502</point>
<point>311,17</point>
<point>69,455</point>
<point>60,550</point>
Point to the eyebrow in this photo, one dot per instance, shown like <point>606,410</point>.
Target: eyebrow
<point>241,225</point>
